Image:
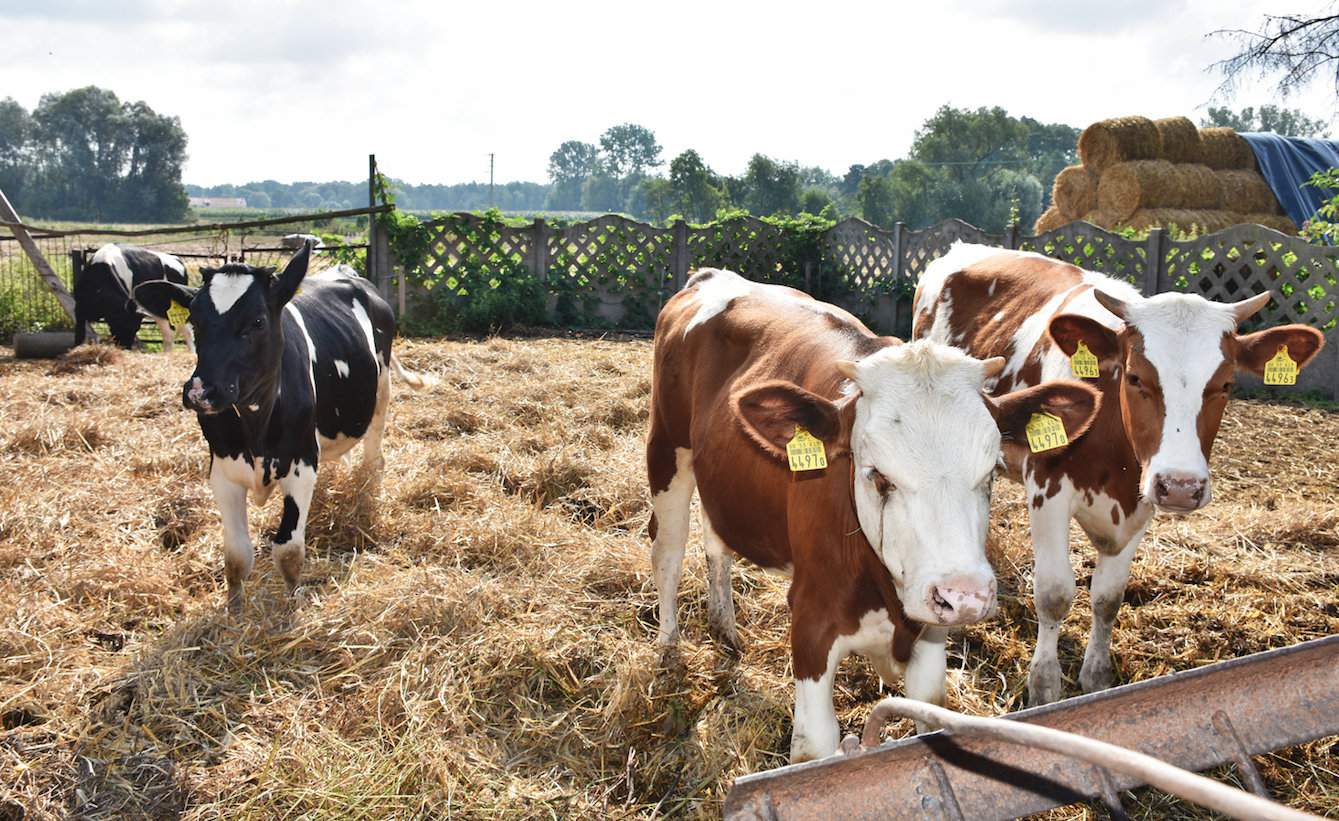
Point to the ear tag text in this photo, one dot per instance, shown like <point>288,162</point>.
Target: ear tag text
<point>805,452</point>
<point>1281,370</point>
<point>1084,363</point>
<point>178,314</point>
<point>1045,432</point>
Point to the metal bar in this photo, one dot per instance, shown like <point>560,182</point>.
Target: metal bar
<point>1223,726</point>
<point>202,228</point>
<point>1275,699</point>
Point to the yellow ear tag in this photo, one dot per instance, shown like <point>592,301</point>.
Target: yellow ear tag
<point>1045,432</point>
<point>1084,363</point>
<point>805,452</point>
<point>1281,370</point>
<point>178,314</point>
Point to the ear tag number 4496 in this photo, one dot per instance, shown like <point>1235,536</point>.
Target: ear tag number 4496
<point>1281,370</point>
<point>805,452</point>
<point>1045,432</point>
<point>1084,363</point>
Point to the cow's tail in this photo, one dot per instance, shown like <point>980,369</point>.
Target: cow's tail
<point>414,379</point>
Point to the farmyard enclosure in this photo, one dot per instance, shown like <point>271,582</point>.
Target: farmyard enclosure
<point>476,638</point>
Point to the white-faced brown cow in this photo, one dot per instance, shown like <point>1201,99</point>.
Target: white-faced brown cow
<point>886,545</point>
<point>1166,366</point>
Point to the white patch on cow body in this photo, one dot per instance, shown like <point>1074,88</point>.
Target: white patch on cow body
<point>171,262</point>
<point>671,507</point>
<point>960,255</point>
<point>921,422</point>
<point>238,471</point>
<point>991,290</point>
<point>1182,337</point>
<point>311,346</point>
<point>332,449</point>
<point>111,255</point>
<point>998,316</point>
<point>715,294</point>
<point>226,289</point>
<point>365,322</point>
<point>342,368</point>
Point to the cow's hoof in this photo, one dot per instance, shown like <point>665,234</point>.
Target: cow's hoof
<point>727,638</point>
<point>1097,675</point>
<point>1043,688</point>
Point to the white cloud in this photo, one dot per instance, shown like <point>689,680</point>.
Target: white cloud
<point>307,90</point>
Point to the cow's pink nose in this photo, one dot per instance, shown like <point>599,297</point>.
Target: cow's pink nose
<point>961,599</point>
<point>1180,492</point>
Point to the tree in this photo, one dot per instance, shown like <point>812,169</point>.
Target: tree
<point>877,204</point>
<point>1294,48</point>
<point>654,198</point>
<point>629,150</point>
<point>695,187</point>
<point>851,179</point>
<point>15,137</point>
<point>771,187</point>
<point>569,166</point>
<point>1289,122</point>
<point>601,192</point>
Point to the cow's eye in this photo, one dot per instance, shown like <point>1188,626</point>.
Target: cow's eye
<point>1133,380</point>
<point>881,483</point>
<point>1227,387</point>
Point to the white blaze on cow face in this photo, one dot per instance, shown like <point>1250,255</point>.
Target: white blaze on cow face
<point>226,289</point>
<point>1182,337</point>
<point>925,448</point>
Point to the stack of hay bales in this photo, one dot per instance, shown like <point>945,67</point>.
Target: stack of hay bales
<point>1144,173</point>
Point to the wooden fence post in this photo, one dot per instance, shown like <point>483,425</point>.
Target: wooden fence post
<point>1154,261</point>
<point>539,250</point>
<point>44,269</point>
<point>899,269</point>
<point>679,254</point>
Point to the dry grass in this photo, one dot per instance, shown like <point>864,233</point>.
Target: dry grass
<point>479,642</point>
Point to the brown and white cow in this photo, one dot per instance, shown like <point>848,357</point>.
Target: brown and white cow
<point>1166,367</point>
<point>886,545</point>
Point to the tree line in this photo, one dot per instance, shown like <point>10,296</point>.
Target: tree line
<point>87,155</point>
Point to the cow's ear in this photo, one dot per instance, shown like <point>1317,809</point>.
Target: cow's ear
<point>1074,403</point>
<point>771,412</point>
<point>1254,350</point>
<point>1068,330</point>
<point>159,294</point>
<point>284,286</point>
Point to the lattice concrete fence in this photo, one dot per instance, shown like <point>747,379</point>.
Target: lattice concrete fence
<point>616,272</point>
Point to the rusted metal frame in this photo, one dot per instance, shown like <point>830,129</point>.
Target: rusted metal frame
<point>1274,699</point>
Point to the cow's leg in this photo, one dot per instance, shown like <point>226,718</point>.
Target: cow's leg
<point>1052,591</point>
<point>187,336</point>
<point>373,460</point>
<point>815,657</point>
<point>290,540</point>
<point>1108,591</point>
<point>720,601</point>
<point>670,469</point>
<point>165,328</point>
<point>927,670</point>
<point>238,554</point>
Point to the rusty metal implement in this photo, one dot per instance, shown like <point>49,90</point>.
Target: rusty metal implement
<point>1222,713</point>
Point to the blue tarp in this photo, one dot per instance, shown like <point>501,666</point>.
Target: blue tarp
<point>1287,162</point>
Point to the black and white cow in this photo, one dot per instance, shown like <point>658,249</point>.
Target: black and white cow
<point>108,290</point>
<point>291,372</point>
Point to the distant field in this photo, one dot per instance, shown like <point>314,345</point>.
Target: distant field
<point>477,635</point>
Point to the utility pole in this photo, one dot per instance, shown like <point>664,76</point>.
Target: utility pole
<point>491,201</point>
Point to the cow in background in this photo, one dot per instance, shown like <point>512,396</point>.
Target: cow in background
<point>108,290</point>
<point>284,382</point>
<point>1165,366</point>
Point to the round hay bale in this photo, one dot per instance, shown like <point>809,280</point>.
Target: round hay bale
<point>1225,148</point>
<point>1278,222</point>
<point>1101,218</point>
<point>1246,192</point>
<point>1180,139</point>
<point>1050,219</point>
<point>1129,186</point>
<point>1124,138</point>
<point>1074,192</point>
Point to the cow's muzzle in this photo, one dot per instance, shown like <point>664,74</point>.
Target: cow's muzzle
<point>1178,492</point>
<point>201,398</point>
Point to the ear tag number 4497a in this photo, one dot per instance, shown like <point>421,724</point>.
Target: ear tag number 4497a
<point>1084,363</point>
<point>1045,432</point>
<point>1281,370</point>
<point>805,452</point>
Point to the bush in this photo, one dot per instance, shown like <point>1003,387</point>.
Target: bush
<point>477,303</point>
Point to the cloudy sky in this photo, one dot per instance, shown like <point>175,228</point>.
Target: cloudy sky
<point>301,90</point>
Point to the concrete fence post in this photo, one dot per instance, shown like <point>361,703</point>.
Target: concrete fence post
<point>1154,261</point>
<point>679,254</point>
<point>899,270</point>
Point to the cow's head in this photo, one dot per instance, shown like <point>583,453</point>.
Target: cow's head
<point>1175,357</point>
<point>238,333</point>
<point>925,443</point>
